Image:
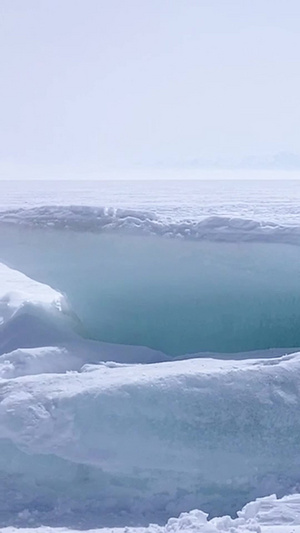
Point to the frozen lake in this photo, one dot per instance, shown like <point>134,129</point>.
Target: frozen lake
<point>269,200</point>
<point>100,424</point>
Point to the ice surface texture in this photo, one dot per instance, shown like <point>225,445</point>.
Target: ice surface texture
<point>40,333</point>
<point>173,295</point>
<point>100,219</point>
<point>275,200</point>
<point>86,440</point>
<point>265,515</point>
<point>149,441</point>
<point>116,443</point>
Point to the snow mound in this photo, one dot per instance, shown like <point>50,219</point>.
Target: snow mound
<point>101,219</point>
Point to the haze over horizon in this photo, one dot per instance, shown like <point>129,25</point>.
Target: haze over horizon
<point>149,89</point>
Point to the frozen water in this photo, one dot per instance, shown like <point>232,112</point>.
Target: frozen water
<point>173,295</point>
<point>39,332</point>
<point>276,201</point>
<point>148,440</point>
<point>265,515</point>
<point>135,444</point>
<point>92,436</point>
<point>126,221</point>
<point>112,444</point>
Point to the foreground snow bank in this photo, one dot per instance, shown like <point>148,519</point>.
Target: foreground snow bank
<point>145,442</point>
<point>265,515</point>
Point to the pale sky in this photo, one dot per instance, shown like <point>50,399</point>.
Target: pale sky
<point>90,87</point>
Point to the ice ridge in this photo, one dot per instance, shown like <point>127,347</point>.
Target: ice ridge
<point>101,219</point>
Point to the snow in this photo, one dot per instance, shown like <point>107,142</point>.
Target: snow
<point>88,440</point>
<point>39,332</point>
<point>31,313</point>
<point>265,515</point>
<point>16,290</point>
<point>82,438</point>
<point>79,443</point>
<point>175,200</point>
<point>100,219</point>
<point>105,435</point>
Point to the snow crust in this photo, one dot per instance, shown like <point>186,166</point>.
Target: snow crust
<point>101,219</point>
